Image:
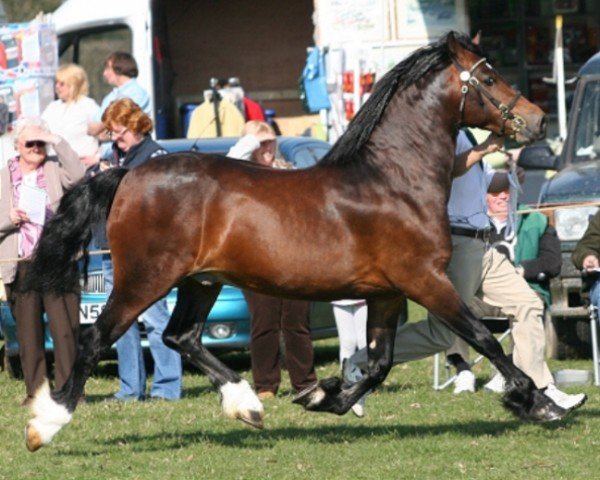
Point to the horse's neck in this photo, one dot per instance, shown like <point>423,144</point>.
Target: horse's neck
<point>418,130</point>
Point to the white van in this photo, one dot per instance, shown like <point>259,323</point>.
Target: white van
<point>181,44</point>
<point>89,31</point>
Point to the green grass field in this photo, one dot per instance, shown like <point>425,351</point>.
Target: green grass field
<point>410,431</point>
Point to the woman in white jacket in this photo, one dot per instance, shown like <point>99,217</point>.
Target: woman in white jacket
<point>70,115</point>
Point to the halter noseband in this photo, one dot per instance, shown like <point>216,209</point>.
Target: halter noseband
<point>468,79</point>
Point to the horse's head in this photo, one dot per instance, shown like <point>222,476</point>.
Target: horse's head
<point>487,100</point>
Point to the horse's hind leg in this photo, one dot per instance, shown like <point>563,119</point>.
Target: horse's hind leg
<point>54,410</point>
<point>330,394</point>
<point>184,334</point>
<point>132,294</point>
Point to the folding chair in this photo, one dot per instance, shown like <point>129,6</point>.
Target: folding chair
<point>594,333</point>
<point>587,281</point>
<point>496,325</point>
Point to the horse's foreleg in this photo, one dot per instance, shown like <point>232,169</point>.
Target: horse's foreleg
<point>53,410</point>
<point>521,397</point>
<point>184,334</point>
<point>330,394</point>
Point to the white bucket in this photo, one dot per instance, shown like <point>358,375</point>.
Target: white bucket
<point>569,377</point>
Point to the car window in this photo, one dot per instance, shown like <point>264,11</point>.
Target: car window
<point>587,136</point>
<point>307,155</point>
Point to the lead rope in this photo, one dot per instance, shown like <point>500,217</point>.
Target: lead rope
<point>514,189</point>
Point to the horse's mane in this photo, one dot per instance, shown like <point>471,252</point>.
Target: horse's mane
<point>423,61</point>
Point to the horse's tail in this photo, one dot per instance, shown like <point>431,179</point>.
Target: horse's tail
<point>67,234</point>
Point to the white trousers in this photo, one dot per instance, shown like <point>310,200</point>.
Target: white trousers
<point>351,323</point>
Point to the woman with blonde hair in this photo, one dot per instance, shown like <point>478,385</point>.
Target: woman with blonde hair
<point>70,114</point>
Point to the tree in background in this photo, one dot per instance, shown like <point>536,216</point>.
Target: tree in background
<point>26,10</point>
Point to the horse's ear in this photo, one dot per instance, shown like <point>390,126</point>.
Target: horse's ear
<point>453,44</point>
<point>477,38</point>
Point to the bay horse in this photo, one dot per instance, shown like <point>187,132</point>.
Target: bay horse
<point>368,221</point>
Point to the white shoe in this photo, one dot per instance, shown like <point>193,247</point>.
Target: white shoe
<point>496,385</point>
<point>564,400</point>
<point>464,382</point>
<point>358,408</point>
<point>352,374</point>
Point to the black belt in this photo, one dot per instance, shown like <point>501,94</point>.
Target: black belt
<point>483,234</point>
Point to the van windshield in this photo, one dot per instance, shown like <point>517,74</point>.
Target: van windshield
<point>89,48</point>
<point>587,134</point>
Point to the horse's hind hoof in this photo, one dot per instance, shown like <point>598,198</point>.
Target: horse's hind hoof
<point>239,401</point>
<point>252,418</point>
<point>33,439</point>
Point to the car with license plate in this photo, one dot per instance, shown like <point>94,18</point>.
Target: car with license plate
<point>228,324</point>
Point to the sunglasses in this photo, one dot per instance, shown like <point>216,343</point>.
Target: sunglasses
<point>35,143</point>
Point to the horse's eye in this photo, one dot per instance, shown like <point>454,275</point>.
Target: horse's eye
<point>489,81</point>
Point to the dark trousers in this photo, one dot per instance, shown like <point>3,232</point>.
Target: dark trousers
<point>271,318</point>
<point>63,321</point>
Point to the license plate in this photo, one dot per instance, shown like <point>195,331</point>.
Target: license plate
<point>88,312</point>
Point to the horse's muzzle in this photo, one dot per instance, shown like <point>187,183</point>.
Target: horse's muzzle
<point>528,131</point>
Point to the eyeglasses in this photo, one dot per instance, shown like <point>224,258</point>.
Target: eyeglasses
<point>35,143</point>
<point>112,134</point>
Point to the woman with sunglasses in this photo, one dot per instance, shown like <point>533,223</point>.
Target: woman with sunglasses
<point>129,128</point>
<point>31,186</point>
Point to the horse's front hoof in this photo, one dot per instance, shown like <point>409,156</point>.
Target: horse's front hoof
<point>534,406</point>
<point>324,396</point>
<point>549,412</point>
<point>33,439</point>
<point>310,396</point>
<point>546,409</point>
